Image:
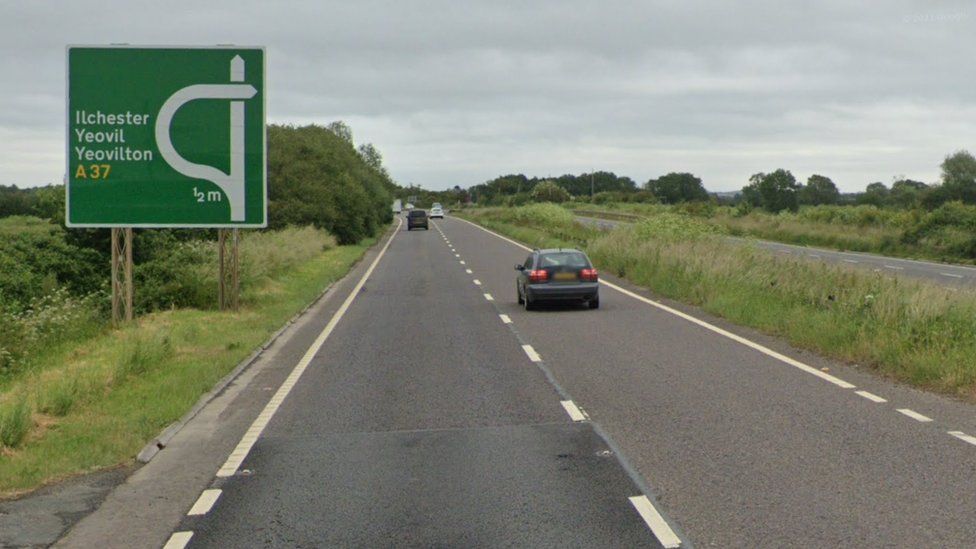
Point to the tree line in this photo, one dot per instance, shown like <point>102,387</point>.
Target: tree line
<point>774,191</point>
<point>316,177</point>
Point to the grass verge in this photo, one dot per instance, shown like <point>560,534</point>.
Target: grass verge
<point>95,405</point>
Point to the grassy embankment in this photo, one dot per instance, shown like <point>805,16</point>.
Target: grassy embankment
<point>917,332</point>
<point>945,234</point>
<point>95,403</point>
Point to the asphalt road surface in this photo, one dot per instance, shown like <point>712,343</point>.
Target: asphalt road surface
<point>425,408</point>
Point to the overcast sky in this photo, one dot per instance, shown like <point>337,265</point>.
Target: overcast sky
<point>458,92</point>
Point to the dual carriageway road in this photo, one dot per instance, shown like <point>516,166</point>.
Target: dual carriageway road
<point>430,410</point>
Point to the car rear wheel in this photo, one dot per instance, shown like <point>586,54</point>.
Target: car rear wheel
<point>518,294</point>
<point>594,303</point>
<point>529,305</point>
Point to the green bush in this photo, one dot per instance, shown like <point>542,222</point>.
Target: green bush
<point>948,230</point>
<point>317,177</point>
<point>47,322</point>
<point>36,263</point>
<point>185,276</point>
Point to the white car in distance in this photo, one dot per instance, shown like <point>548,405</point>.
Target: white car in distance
<point>436,212</point>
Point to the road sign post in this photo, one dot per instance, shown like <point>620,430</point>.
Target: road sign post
<point>166,137</point>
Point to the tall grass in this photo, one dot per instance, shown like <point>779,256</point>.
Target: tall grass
<point>946,234</point>
<point>271,253</point>
<point>15,421</point>
<point>816,228</point>
<point>141,352</point>
<point>541,225</point>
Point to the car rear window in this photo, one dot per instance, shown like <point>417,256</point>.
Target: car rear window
<point>418,213</point>
<point>567,259</point>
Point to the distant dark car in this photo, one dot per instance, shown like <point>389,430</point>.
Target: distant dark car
<point>417,219</point>
<point>557,275</point>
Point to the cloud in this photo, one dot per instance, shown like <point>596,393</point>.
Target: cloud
<point>455,93</point>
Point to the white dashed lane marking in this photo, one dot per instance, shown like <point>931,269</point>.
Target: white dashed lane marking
<point>505,319</point>
<point>656,522</point>
<point>478,282</point>
<point>178,540</point>
<point>533,356</point>
<point>963,437</point>
<point>871,397</point>
<point>574,412</point>
<point>469,271</point>
<point>915,415</point>
<point>489,298</point>
<point>206,502</point>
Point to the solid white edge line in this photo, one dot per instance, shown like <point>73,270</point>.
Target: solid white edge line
<point>952,275</point>
<point>178,540</point>
<point>506,319</point>
<point>963,437</point>
<point>915,415</point>
<point>572,410</point>
<point>665,535</point>
<point>533,356</point>
<point>871,397</point>
<point>850,261</point>
<point>895,268</point>
<point>236,457</point>
<point>205,503</point>
<point>755,346</point>
<point>764,350</point>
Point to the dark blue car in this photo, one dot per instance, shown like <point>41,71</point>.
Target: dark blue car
<point>557,275</point>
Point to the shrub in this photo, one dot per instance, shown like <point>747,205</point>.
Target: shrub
<point>47,322</point>
<point>184,276</point>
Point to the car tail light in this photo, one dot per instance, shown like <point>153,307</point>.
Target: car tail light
<point>538,276</point>
<point>589,274</point>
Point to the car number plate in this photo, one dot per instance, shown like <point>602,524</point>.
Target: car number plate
<point>565,276</point>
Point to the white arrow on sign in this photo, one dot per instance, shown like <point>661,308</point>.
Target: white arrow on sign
<point>231,183</point>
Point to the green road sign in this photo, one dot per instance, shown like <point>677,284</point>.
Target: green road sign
<point>166,137</point>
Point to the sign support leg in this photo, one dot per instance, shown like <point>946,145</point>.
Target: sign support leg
<point>121,275</point>
<point>229,269</point>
